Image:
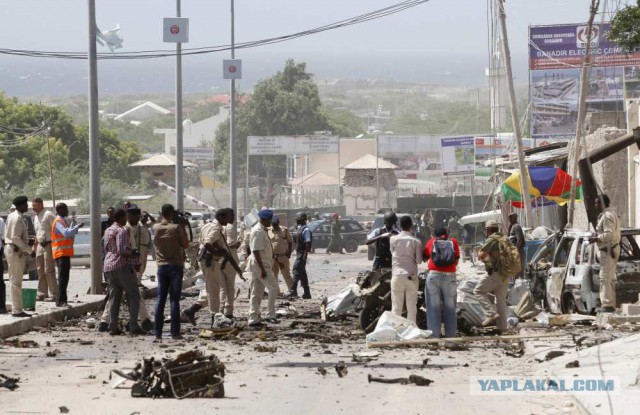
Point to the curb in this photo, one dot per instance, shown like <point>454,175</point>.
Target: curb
<point>24,325</point>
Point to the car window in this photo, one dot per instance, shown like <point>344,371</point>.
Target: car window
<point>325,228</point>
<point>562,253</point>
<point>354,227</point>
<point>82,238</point>
<point>628,248</point>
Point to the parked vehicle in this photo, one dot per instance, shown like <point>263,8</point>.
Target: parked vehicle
<point>353,234</point>
<point>82,249</point>
<point>564,272</point>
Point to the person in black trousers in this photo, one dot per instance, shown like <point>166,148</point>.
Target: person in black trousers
<point>304,240</point>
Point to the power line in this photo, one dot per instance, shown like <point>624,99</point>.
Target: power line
<point>152,54</point>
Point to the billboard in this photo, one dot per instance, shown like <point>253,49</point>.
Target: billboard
<point>489,148</point>
<point>555,60</point>
<point>413,153</point>
<point>457,156</point>
<point>289,145</point>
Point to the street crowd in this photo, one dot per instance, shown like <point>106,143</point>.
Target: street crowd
<point>262,252</point>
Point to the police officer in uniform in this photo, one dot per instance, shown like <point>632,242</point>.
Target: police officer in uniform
<point>16,250</point>
<point>304,240</point>
<point>381,237</point>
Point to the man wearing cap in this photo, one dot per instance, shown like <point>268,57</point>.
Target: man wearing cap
<point>43,222</point>
<point>282,244</point>
<point>260,264</point>
<point>516,237</point>
<point>494,284</point>
<point>304,239</point>
<point>62,236</point>
<point>17,241</point>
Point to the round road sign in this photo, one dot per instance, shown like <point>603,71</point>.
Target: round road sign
<point>174,29</point>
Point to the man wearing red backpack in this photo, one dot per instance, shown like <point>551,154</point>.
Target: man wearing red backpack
<point>441,288</point>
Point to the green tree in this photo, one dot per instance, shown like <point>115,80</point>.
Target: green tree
<point>288,103</point>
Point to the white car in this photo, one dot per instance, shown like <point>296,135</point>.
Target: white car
<point>82,249</point>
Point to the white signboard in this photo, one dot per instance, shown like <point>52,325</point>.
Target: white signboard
<point>175,30</point>
<point>283,145</point>
<point>458,156</point>
<point>396,145</point>
<point>197,153</point>
<point>232,69</point>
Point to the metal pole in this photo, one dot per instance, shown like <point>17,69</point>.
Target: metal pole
<point>582,111</point>
<point>339,181</point>
<point>233,179</point>
<point>53,190</point>
<point>377,178</point>
<point>179,130</point>
<point>524,181</point>
<point>246,185</point>
<point>94,157</point>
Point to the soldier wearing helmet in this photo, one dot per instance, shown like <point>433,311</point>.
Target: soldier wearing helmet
<point>381,237</point>
<point>304,239</point>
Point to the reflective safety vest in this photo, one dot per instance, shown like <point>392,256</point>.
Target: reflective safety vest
<point>60,245</point>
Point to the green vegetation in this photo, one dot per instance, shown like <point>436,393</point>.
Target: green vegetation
<point>625,28</point>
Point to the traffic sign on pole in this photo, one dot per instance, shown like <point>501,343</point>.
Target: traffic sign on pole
<point>175,30</point>
<point>232,69</point>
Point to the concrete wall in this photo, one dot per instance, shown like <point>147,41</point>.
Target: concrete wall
<point>362,200</point>
<point>611,174</point>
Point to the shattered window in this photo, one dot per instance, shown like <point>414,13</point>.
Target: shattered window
<point>562,253</point>
<point>628,249</point>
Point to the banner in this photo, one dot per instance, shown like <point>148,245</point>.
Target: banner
<point>489,148</point>
<point>415,154</point>
<point>556,54</point>
<point>289,145</point>
<point>457,156</point>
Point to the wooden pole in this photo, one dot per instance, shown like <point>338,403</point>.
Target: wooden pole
<point>582,111</point>
<point>524,182</point>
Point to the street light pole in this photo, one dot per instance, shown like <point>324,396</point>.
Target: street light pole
<point>94,157</point>
<point>179,130</point>
<point>233,162</point>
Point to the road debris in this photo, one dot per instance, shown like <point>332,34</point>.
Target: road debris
<point>63,409</point>
<point>22,344</point>
<point>322,371</point>
<point>573,364</point>
<point>189,375</point>
<point>341,369</point>
<point>265,349</point>
<point>393,328</point>
<point>9,383</point>
<point>412,379</point>
<point>551,355</point>
<point>53,353</point>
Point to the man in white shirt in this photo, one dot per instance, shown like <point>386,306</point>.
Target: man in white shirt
<point>47,284</point>
<point>260,264</point>
<point>406,254</point>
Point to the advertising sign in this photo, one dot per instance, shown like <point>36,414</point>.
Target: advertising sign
<point>489,148</point>
<point>287,145</point>
<point>412,153</point>
<point>197,153</point>
<point>457,156</point>
<point>556,54</point>
<point>564,46</point>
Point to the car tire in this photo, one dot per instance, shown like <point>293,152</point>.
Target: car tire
<point>351,246</point>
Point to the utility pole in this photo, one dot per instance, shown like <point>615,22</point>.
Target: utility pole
<point>582,111</point>
<point>524,181</point>
<point>94,157</point>
<point>53,190</point>
<point>233,162</point>
<point>179,130</point>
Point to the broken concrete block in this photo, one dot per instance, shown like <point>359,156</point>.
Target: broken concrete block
<point>631,309</point>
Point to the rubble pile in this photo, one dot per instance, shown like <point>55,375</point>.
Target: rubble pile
<point>188,375</point>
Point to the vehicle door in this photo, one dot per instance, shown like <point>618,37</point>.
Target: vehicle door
<point>557,272</point>
<point>538,267</point>
<point>323,233</point>
<point>579,275</point>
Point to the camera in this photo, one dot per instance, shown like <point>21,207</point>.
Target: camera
<point>181,218</point>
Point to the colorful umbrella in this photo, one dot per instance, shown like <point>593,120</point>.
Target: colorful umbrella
<point>547,186</point>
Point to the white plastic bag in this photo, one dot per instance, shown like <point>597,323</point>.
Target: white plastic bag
<point>391,327</point>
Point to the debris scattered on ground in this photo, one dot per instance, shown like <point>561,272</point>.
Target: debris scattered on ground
<point>393,328</point>
<point>9,383</point>
<point>552,355</point>
<point>412,379</point>
<point>341,369</point>
<point>306,354</point>
<point>364,357</point>
<point>221,322</point>
<point>573,364</point>
<point>53,353</point>
<point>63,409</point>
<point>265,349</point>
<point>189,375</point>
<point>322,371</point>
<point>340,304</point>
<point>425,362</point>
<point>22,344</point>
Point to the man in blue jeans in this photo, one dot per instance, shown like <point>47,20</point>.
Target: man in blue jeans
<point>170,242</point>
<point>441,288</point>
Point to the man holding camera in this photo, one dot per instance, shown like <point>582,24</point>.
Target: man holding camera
<point>43,223</point>
<point>18,247</point>
<point>170,242</point>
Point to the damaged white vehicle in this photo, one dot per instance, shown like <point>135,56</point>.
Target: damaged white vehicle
<point>564,272</point>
